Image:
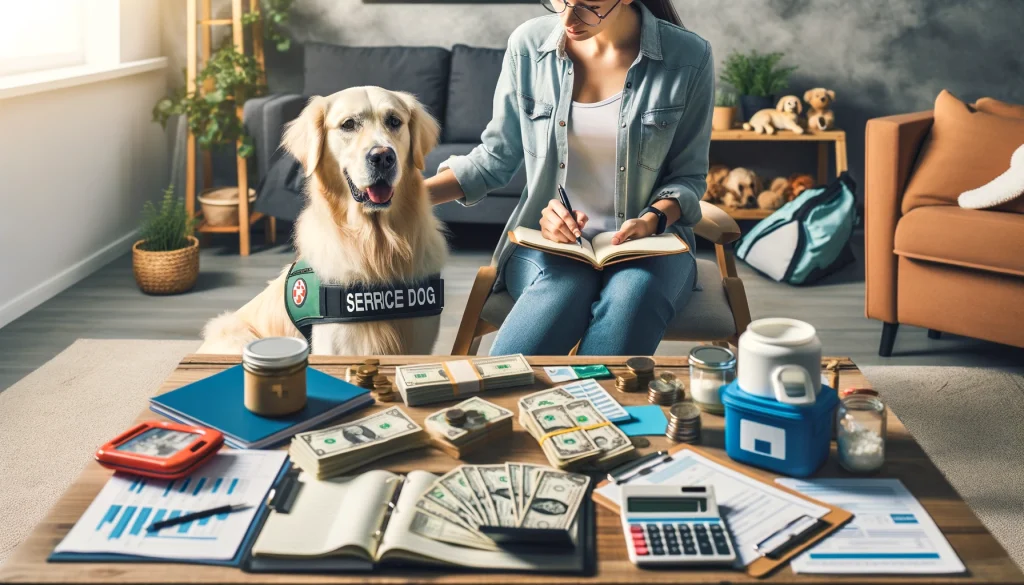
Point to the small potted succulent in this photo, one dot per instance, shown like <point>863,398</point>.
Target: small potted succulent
<point>725,110</point>
<point>165,260</point>
<point>757,78</point>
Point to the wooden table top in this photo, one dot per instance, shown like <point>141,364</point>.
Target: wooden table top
<point>985,559</point>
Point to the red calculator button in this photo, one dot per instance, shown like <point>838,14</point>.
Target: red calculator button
<point>641,551</point>
<point>639,541</point>
<point>636,528</point>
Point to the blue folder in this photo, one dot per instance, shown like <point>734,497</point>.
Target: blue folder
<point>217,402</point>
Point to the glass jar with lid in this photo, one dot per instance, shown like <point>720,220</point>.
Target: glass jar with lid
<point>275,375</point>
<point>860,430</point>
<point>711,367</point>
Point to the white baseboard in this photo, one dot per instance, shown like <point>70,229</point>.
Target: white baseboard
<point>56,284</point>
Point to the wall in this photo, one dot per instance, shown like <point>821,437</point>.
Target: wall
<point>77,164</point>
<point>881,56</point>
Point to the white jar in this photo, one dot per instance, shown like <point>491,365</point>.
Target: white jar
<point>711,367</point>
<point>768,344</point>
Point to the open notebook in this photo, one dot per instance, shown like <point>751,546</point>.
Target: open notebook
<point>343,524</point>
<point>599,251</point>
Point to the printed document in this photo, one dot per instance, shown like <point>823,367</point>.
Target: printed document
<point>890,532</point>
<point>752,509</point>
<point>117,519</point>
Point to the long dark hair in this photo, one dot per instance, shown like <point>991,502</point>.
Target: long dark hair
<point>664,10</point>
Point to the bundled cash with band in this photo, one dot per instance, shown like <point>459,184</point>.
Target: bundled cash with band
<point>509,495</point>
<point>341,448</point>
<point>469,426</point>
<point>429,383</point>
<point>572,432</point>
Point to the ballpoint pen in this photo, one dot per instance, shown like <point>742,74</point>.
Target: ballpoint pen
<point>157,526</point>
<point>565,203</point>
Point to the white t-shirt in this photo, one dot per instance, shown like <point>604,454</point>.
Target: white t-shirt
<point>590,170</point>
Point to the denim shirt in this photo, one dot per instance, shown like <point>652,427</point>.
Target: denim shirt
<point>663,137</point>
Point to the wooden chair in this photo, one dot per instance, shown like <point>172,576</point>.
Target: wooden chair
<point>717,314</point>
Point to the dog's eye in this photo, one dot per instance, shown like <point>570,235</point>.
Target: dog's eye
<point>348,125</point>
<point>393,122</point>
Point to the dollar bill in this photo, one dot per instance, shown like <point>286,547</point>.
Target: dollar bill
<point>458,485</point>
<point>502,366</point>
<point>435,528</point>
<point>428,383</point>
<point>515,480</point>
<point>479,487</point>
<point>499,489</point>
<point>566,446</point>
<point>550,397</point>
<point>434,508</point>
<point>443,497</point>
<point>437,424</point>
<point>555,501</point>
<point>608,438</point>
<point>421,375</point>
<point>359,434</point>
<point>529,474</point>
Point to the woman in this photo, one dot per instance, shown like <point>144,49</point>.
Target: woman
<point>611,99</point>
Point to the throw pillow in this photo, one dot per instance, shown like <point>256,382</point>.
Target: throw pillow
<point>1004,109</point>
<point>966,149</point>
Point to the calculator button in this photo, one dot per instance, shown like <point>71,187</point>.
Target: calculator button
<point>641,551</point>
<point>688,549</point>
<point>673,550</point>
<point>721,547</point>
<point>658,550</point>
<point>652,528</point>
<point>705,547</point>
<point>636,528</point>
<point>683,529</point>
<point>716,529</point>
<point>700,529</point>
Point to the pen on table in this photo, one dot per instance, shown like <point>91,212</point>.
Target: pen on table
<point>156,526</point>
<point>565,203</point>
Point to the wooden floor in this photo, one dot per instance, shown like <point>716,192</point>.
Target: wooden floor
<point>108,305</point>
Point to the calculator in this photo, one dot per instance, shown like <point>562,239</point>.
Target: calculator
<point>674,525</point>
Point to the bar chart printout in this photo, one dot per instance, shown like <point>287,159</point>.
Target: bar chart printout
<point>117,519</point>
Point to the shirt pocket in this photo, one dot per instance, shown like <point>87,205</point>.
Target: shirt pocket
<point>657,129</point>
<point>536,125</point>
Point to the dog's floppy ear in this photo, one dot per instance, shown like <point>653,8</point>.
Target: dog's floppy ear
<point>808,95</point>
<point>423,130</point>
<point>781,106</point>
<point>304,137</point>
<point>831,94</point>
<point>799,106</point>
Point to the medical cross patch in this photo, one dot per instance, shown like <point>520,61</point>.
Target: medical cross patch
<point>299,292</point>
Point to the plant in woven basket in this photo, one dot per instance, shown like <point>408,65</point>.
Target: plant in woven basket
<point>166,227</point>
<point>756,74</point>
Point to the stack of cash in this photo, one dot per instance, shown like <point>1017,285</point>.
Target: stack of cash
<point>341,448</point>
<point>510,495</point>
<point>429,383</point>
<point>591,444</point>
<point>468,426</point>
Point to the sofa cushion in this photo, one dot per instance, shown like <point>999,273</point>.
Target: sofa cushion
<point>445,150</point>
<point>1004,109</point>
<point>966,149</point>
<point>471,88</point>
<point>973,238</point>
<point>421,71</point>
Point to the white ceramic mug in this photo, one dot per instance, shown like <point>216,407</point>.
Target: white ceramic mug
<point>770,344</point>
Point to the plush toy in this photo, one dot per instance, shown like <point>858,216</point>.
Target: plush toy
<point>785,116</point>
<point>714,193</point>
<point>777,195</point>
<point>819,109</point>
<point>715,190</point>
<point>742,187</point>
<point>717,174</point>
<point>799,183</point>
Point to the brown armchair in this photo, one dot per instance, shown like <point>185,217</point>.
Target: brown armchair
<point>715,314</point>
<point>930,263</point>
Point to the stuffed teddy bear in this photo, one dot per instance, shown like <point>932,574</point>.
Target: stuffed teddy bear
<point>777,195</point>
<point>715,190</point>
<point>799,183</point>
<point>819,109</point>
<point>742,187</point>
<point>785,116</point>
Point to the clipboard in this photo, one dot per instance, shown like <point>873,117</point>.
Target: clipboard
<point>810,534</point>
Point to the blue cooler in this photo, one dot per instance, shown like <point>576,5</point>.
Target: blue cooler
<point>788,439</point>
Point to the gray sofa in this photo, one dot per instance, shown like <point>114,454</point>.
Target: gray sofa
<point>456,87</point>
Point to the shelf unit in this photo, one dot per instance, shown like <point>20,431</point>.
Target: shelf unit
<point>200,28</point>
<point>835,139</point>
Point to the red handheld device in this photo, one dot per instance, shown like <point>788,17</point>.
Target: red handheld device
<point>160,449</point>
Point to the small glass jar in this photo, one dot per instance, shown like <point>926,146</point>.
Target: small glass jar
<point>860,430</point>
<point>711,367</point>
<point>275,375</point>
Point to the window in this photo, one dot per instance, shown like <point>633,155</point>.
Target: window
<point>41,34</point>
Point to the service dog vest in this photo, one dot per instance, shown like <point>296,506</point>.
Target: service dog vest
<point>309,302</point>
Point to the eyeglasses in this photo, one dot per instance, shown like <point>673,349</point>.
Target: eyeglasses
<point>584,14</point>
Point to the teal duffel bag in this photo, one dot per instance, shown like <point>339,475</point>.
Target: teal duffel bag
<point>807,238</point>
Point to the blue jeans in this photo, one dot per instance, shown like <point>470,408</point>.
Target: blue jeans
<point>621,310</point>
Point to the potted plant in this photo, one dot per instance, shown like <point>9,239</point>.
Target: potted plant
<point>165,260</point>
<point>757,78</point>
<point>725,110</point>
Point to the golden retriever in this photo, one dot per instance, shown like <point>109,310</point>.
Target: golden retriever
<point>367,221</point>
<point>785,116</point>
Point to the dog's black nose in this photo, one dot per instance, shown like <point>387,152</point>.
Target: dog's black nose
<point>381,158</point>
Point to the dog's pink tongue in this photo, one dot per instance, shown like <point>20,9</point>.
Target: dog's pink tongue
<point>379,193</point>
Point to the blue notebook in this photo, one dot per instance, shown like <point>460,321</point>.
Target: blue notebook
<point>217,402</point>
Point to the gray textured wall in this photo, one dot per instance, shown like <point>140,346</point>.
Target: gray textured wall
<point>881,56</point>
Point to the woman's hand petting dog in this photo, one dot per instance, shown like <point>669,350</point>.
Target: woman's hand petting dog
<point>557,225</point>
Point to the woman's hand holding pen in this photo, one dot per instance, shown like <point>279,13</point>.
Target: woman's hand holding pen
<point>557,225</point>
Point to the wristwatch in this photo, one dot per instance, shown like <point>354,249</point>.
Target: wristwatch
<point>662,219</point>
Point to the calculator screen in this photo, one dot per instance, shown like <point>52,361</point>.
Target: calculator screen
<point>158,442</point>
<point>645,505</point>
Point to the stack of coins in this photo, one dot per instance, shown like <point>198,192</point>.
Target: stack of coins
<point>643,367</point>
<point>683,423</point>
<point>626,382</point>
<point>664,393</point>
<point>384,390</point>
<point>455,417</point>
<point>365,373</point>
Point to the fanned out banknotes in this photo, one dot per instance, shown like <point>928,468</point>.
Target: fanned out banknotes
<point>468,426</point>
<point>509,495</point>
<point>429,383</point>
<point>578,435</point>
<point>341,448</point>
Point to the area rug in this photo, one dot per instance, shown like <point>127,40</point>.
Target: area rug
<point>52,421</point>
<point>970,422</point>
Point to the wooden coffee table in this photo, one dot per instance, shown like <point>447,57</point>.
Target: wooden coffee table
<point>985,559</point>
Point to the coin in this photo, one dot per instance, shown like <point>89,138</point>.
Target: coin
<point>640,364</point>
<point>475,417</point>
<point>380,379</point>
<point>455,417</point>
<point>667,376</point>
<point>684,411</point>
<point>640,442</point>
<point>372,362</point>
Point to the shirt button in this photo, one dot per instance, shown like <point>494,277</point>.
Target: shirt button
<point>621,215</point>
<point>629,84</point>
<point>561,165</point>
<point>623,124</point>
<point>570,72</point>
<point>561,122</point>
<point>622,169</point>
